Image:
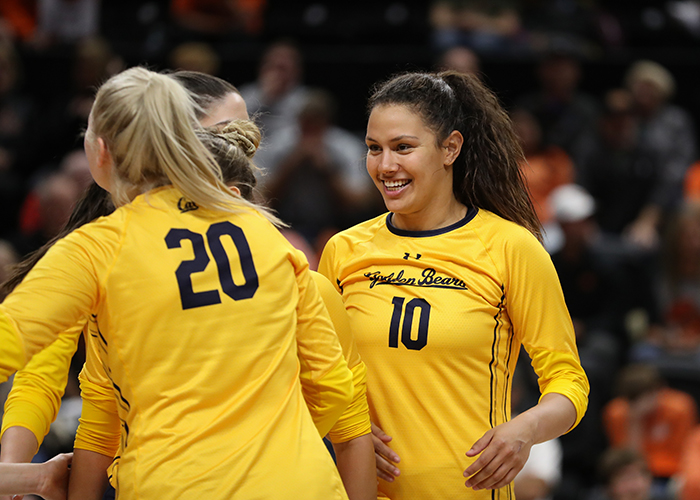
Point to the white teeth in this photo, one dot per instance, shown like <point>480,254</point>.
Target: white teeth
<point>396,184</point>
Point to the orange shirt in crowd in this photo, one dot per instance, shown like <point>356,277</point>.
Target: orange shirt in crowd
<point>666,430</point>
<point>20,15</point>
<point>250,12</point>
<point>690,468</point>
<point>691,188</point>
<point>545,171</point>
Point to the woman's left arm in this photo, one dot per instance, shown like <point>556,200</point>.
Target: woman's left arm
<point>505,448</point>
<point>537,310</point>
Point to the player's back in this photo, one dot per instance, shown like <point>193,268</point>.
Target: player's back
<point>198,317</point>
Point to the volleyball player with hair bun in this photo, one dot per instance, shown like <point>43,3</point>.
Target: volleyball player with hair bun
<point>204,357</point>
<point>444,289</point>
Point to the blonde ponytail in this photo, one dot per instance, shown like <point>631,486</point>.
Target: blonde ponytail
<point>148,123</point>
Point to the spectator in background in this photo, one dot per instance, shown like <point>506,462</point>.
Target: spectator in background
<point>56,129</point>
<point>593,283</point>
<point>461,59</point>
<point>583,26</point>
<point>18,18</point>
<point>56,194</point>
<point>567,115</point>
<point>625,182</point>
<point>678,290</point>
<point>314,172</point>
<point>666,133</point>
<point>689,475</point>
<point>66,21</point>
<point>691,183</point>
<point>218,18</point>
<point>75,167</point>
<point>489,28</point>
<point>15,107</point>
<point>15,110</point>
<point>540,476</point>
<point>277,96</point>
<point>546,167</point>
<point>625,476</point>
<point>195,56</point>
<point>651,418</point>
<point>622,177</point>
<point>591,280</point>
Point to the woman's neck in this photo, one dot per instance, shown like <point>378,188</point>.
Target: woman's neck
<point>434,217</point>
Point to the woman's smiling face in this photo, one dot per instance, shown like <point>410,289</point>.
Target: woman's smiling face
<point>411,170</point>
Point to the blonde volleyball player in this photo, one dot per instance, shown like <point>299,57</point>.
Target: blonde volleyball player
<point>232,145</point>
<point>38,387</point>
<point>167,317</point>
<point>444,289</point>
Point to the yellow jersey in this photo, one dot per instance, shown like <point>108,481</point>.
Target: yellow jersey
<point>37,389</point>
<point>204,320</point>
<point>99,427</point>
<point>439,318</point>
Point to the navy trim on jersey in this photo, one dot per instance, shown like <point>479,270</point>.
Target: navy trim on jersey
<point>471,213</point>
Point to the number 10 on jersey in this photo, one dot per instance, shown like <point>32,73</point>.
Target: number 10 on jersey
<point>407,314</point>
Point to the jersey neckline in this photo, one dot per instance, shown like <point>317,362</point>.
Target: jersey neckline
<point>471,213</point>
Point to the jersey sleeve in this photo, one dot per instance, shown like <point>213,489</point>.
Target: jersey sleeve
<point>37,389</point>
<point>354,422</point>
<point>99,428</point>
<point>535,303</point>
<point>325,378</point>
<point>59,292</point>
<point>325,264</point>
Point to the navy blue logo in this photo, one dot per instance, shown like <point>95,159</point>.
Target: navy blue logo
<point>185,205</point>
<point>429,278</point>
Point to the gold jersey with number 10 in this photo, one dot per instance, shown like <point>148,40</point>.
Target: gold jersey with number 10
<point>439,317</point>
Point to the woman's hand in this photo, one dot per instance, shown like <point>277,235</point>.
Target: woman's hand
<point>505,448</point>
<point>54,477</point>
<point>384,455</point>
<point>504,451</point>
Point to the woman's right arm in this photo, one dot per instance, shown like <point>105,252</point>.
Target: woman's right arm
<point>98,438</point>
<point>324,374</point>
<point>61,290</point>
<point>35,398</point>
<point>351,434</point>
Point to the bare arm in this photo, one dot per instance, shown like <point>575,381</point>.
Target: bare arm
<point>355,459</point>
<point>88,475</point>
<point>505,448</point>
<point>49,480</point>
<point>19,445</point>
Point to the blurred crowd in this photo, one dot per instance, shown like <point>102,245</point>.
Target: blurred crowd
<point>614,176</point>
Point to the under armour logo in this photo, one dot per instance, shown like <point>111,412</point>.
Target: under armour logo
<point>407,255</point>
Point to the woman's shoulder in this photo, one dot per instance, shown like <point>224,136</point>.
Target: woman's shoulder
<point>363,231</point>
<point>499,229</point>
